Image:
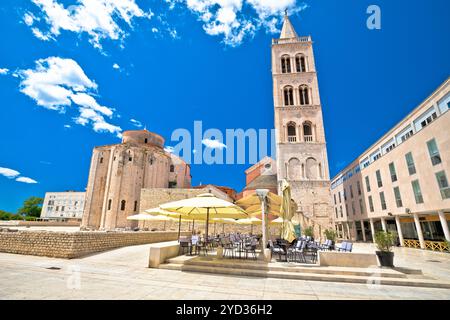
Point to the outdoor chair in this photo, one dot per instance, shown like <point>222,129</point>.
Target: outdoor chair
<point>277,249</point>
<point>250,248</point>
<point>311,253</point>
<point>228,248</point>
<point>298,250</point>
<point>185,246</point>
<point>327,245</point>
<point>345,247</point>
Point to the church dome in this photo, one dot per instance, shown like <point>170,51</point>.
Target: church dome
<point>143,137</point>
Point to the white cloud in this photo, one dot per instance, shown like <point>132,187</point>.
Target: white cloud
<point>100,19</point>
<point>213,144</point>
<point>136,123</point>
<point>236,19</point>
<point>9,173</point>
<point>67,126</point>
<point>26,180</point>
<point>169,149</point>
<point>4,71</point>
<point>57,83</point>
<point>116,66</point>
<point>155,30</point>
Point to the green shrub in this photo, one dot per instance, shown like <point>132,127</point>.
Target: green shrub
<point>330,234</point>
<point>309,231</point>
<point>385,240</point>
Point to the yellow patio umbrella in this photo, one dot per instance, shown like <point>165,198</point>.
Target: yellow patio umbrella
<point>252,204</point>
<point>287,212</point>
<point>207,206</point>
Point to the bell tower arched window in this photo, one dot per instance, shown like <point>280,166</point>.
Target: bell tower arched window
<point>307,132</point>
<point>288,96</point>
<point>304,95</point>
<point>285,64</point>
<point>122,205</point>
<point>300,63</point>
<point>292,132</point>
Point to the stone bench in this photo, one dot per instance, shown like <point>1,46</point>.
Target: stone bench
<point>347,259</point>
<point>160,252</point>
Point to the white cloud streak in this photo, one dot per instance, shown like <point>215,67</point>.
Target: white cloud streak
<point>4,71</point>
<point>9,173</point>
<point>213,144</point>
<point>100,19</point>
<point>26,180</point>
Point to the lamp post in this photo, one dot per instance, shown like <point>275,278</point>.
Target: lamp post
<point>262,194</point>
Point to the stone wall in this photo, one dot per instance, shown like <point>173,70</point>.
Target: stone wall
<point>70,245</point>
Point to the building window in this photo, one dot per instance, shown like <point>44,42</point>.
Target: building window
<point>371,204</point>
<point>292,132</point>
<point>335,199</point>
<point>358,186</point>
<point>410,163</point>
<point>353,207</point>
<point>443,184</point>
<point>288,96</point>
<point>367,184</point>
<point>393,172</point>
<point>62,208</point>
<point>109,204</point>
<point>434,152</point>
<point>286,64</point>
<point>346,209</point>
<point>101,160</point>
<point>383,201</point>
<point>172,168</point>
<point>135,206</point>
<point>304,95</point>
<point>172,184</point>
<point>428,120</point>
<point>335,209</point>
<point>145,140</point>
<point>345,195</point>
<point>57,208</point>
<point>122,205</point>
<point>379,181</point>
<point>130,159</point>
<point>340,210</point>
<point>307,132</point>
<point>300,63</point>
<point>417,192</point>
<point>361,206</point>
<point>398,197</point>
<point>351,192</point>
<point>339,194</point>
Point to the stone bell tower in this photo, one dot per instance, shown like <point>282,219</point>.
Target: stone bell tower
<point>301,147</point>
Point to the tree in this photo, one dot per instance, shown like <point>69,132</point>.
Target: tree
<point>31,207</point>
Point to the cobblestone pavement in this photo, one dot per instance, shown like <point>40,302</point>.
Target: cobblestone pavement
<point>122,274</point>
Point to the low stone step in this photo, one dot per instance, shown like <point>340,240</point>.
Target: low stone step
<point>388,273</point>
<point>370,280</point>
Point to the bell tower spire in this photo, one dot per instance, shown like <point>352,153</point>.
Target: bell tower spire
<point>288,31</point>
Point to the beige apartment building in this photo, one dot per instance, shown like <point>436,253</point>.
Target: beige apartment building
<point>401,182</point>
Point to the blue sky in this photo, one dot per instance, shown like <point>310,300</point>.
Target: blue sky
<point>168,63</point>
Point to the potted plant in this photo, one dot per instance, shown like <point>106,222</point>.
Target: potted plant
<point>330,234</point>
<point>385,241</point>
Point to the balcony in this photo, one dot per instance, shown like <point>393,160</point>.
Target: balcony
<point>308,138</point>
<point>292,139</point>
<point>292,40</point>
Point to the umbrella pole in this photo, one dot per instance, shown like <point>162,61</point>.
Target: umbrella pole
<point>164,225</point>
<point>179,228</point>
<point>193,223</point>
<point>223,227</point>
<point>207,222</point>
<point>214,228</point>
<point>251,229</point>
